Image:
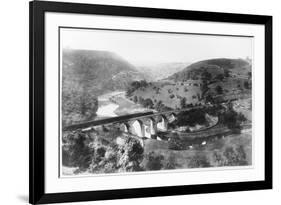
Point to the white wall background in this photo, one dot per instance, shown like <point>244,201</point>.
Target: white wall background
<point>14,100</point>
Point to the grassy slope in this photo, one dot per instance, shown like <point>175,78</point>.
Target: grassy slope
<point>182,158</point>
<point>164,91</point>
<point>213,66</point>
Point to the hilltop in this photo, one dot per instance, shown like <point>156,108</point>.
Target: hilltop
<point>224,66</point>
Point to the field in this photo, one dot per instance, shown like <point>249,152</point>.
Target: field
<point>170,93</point>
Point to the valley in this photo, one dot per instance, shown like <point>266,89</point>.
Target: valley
<point>201,114</point>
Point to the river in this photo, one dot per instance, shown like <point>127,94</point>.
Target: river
<point>115,103</point>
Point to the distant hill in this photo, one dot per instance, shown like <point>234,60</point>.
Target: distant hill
<point>162,70</point>
<point>217,66</point>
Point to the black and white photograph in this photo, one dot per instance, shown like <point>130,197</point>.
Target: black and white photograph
<point>133,102</point>
<point>139,101</point>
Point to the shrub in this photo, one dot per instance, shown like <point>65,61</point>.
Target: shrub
<point>153,161</point>
<point>219,90</point>
<point>199,161</point>
<point>135,99</point>
<point>77,106</point>
<point>135,85</point>
<point>175,143</point>
<point>220,77</point>
<point>100,152</point>
<point>183,102</point>
<point>131,155</point>
<point>76,151</point>
<point>191,117</point>
<point>235,157</point>
<point>171,163</point>
<point>247,85</point>
<point>147,103</point>
<point>218,159</point>
<point>233,120</point>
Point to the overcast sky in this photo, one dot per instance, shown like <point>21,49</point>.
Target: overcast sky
<point>145,48</point>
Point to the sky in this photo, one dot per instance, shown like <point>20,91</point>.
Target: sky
<point>141,48</point>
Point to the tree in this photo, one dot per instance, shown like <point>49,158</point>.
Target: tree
<point>226,73</point>
<point>78,105</point>
<point>76,151</point>
<point>153,161</point>
<point>199,161</point>
<point>135,85</point>
<point>220,77</point>
<point>175,143</point>
<point>209,98</point>
<point>249,75</point>
<point>148,103</point>
<point>235,157</point>
<point>206,76</point>
<point>247,85</point>
<point>232,119</point>
<point>130,155</point>
<point>135,99</point>
<point>219,90</point>
<point>183,102</point>
<point>191,118</point>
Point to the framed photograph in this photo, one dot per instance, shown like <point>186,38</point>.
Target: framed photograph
<point>130,102</point>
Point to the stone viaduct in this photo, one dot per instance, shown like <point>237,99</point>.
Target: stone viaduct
<point>143,125</point>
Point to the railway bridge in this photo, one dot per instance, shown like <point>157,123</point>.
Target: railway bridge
<point>141,124</point>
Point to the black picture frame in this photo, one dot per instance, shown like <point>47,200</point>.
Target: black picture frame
<point>37,10</point>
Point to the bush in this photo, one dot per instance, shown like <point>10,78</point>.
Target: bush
<point>147,103</point>
<point>175,143</point>
<point>78,106</point>
<point>191,118</point>
<point>247,85</point>
<point>220,77</point>
<point>76,151</point>
<point>183,102</point>
<point>171,163</point>
<point>235,157</point>
<point>130,155</point>
<point>219,90</point>
<point>153,161</point>
<point>135,85</point>
<point>233,120</point>
<point>230,157</point>
<point>218,159</point>
<point>199,161</point>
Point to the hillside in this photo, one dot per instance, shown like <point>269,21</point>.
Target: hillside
<point>88,74</point>
<point>165,94</point>
<point>236,67</point>
<point>204,81</point>
<point>102,69</point>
